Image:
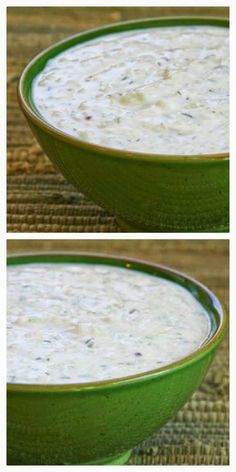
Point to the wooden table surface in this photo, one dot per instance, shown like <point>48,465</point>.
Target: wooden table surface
<point>199,432</point>
<point>39,199</point>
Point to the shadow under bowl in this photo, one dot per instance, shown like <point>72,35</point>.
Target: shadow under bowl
<point>100,422</point>
<point>146,192</point>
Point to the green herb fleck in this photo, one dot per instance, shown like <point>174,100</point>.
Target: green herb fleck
<point>187,114</point>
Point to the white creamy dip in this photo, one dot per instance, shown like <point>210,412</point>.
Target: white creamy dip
<point>74,323</point>
<point>159,90</point>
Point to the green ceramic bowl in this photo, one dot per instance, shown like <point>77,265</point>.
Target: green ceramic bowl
<point>146,192</point>
<point>99,423</point>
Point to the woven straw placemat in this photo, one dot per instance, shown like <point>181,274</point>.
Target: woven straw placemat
<point>199,433</point>
<point>48,203</point>
<point>39,199</point>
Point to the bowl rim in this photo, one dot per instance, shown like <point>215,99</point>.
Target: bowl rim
<point>39,121</point>
<point>212,341</point>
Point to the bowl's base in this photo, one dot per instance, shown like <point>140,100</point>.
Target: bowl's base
<point>131,228</point>
<point>116,460</point>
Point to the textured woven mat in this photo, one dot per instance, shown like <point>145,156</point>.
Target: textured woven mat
<point>34,202</point>
<point>47,203</point>
<point>199,433</point>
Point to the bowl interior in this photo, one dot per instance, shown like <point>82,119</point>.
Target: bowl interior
<point>39,62</point>
<point>217,316</point>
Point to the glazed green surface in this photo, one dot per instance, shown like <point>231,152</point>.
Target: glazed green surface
<point>77,427</point>
<point>147,192</point>
<point>96,423</point>
<point>155,195</point>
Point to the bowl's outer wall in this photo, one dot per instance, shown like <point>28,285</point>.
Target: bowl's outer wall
<point>184,195</point>
<point>82,426</point>
<point>155,195</point>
